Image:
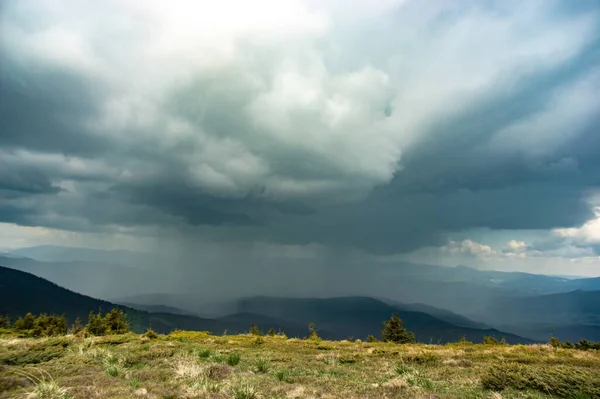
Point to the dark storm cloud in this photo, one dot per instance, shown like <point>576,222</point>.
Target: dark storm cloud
<point>305,139</point>
<point>43,109</point>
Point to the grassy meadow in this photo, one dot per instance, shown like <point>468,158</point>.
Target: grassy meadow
<point>198,365</point>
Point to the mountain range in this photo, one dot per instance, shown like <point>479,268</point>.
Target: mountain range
<point>524,304</point>
<point>337,318</point>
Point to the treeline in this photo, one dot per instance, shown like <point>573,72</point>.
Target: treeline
<point>583,344</point>
<point>115,322</point>
<point>45,325</point>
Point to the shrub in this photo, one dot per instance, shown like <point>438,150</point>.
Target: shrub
<point>41,326</point>
<point>49,325</point>
<point>568,344</point>
<point>583,344</point>
<point>561,381</point>
<point>77,327</point>
<point>96,324</point>
<point>394,331</point>
<point>490,340</point>
<point>254,330</point>
<point>586,345</point>
<point>233,359</point>
<point>4,322</point>
<point>25,323</point>
<point>313,332</point>
<point>116,322</point>
<point>555,342</point>
<point>150,334</point>
<point>463,340</point>
<point>271,332</point>
<point>372,338</point>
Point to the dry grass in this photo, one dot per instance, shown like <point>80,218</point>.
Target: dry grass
<point>198,365</point>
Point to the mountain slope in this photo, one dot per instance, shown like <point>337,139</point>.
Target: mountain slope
<point>96,279</point>
<point>22,292</point>
<point>575,307</point>
<point>361,316</point>
<point>442,314</point>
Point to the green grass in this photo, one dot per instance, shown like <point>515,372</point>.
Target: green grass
<point>233,359</point>
<point>188,364</point>
<point>263,366</point>
<point>204,353</point>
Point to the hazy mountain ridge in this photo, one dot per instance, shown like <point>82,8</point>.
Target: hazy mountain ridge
<point>362,316</point>
<point>525,304</point>
<point>22,292</point>
<point>338,317</point>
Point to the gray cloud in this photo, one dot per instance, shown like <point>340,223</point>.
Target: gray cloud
<point>383,133</point>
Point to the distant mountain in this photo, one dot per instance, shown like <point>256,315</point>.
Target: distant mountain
<point>156,308</point>
<point>571,315</point>
<point>361,316</point>
<point>187,304</point>
<point>542,332</point>
<point>56,253</point>
<point>515,282</point>
<point>442,314</point>
<point>22,292</point>
<point>467,291</point>
<point>91,278</point>
<point>568,308</point>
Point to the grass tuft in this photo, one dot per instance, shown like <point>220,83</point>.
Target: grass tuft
<point>204,353</point>
<point>262,366</point>
<point>233,359</point>
<point>245,392</point>
<point>44,386</point>
<point>283,375</point>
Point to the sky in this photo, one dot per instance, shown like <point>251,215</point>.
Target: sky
<point>417,130</point>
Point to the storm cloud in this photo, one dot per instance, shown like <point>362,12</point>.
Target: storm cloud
<point>385,127</point>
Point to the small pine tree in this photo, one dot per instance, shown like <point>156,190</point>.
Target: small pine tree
<point>254,330</point>
<point>25,323</point>
<point>77,327</point>
<point>568,344</point>
<point>488,340</point>
<point>464,340</point>
<point>394,331</point>
<point>372,338</point>
<point>116,322</point>
<point>50,325</point>
<point>4,322</point>
<point>96,325</point>
<point>555,342</point>
<point>150,333</point>
<point>271,332</point>
<point>313,332</point>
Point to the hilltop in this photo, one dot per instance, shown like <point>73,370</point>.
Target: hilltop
<point>198,365</point>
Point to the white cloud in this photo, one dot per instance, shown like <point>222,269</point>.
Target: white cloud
<point>468,247</point>
<point>588,234</point>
